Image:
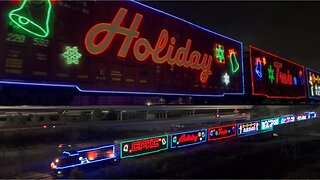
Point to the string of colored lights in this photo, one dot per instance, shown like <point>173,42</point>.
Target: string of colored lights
<point>214,133</point>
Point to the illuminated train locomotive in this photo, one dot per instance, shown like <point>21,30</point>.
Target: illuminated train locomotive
<point>131,148</point>
<point>60,52</point>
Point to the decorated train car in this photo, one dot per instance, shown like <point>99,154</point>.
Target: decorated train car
<point>135,147</point>
<point>128,48</point>
<point>120,47</point>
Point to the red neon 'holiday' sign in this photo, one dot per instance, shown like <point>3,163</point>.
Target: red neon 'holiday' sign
<point>188,138</point>
<point>161,52</point>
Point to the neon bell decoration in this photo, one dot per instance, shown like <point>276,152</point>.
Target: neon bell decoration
<point>26,17</point>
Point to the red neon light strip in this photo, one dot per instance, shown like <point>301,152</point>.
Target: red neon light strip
<point>268,96</point>
<point>215,139</point>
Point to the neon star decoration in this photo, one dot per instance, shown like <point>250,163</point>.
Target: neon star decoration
<point>219,53</point>
<point>233,60</point>
<point>22,19</point>
<point>72,55</point>
<point>271,74</point>
<point>226,78</point>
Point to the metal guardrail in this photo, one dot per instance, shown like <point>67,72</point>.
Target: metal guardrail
<point>122,108</point>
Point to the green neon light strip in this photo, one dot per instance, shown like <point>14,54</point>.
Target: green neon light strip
<point>271,74</point>
<point>234,62</point>
<point>220,53</point>
<point>160,136</point>
<point>24,23</point>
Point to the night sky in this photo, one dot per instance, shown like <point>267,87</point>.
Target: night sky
<point>287,29</point>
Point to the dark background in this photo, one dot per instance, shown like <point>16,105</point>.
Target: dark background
<point>288,29</point>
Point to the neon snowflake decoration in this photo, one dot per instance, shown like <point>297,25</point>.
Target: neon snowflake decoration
<point>226,79</point>
<point>72,55</point>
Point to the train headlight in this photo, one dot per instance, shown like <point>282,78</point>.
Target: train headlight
<point>57,160</point>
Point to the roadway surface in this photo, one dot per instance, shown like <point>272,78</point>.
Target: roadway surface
<point>261,156</point>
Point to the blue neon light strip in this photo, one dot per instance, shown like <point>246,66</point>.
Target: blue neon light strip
<point>69,154</point>
<point>242,72</point>
<point>104,91</point>
<point>191,144</point>
<point>258,69</point>
<point>86,150</point>
<point>89,162</point>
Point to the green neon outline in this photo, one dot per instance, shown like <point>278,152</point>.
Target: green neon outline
<point>24,20</point>
<point>269,129</point>
<point>236,60</point>
<point>129,156</point>
<point>72,55</point>
<point>220,53</point>
<point>271,71</point>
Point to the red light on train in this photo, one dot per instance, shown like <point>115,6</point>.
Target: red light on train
<point>92,155</point>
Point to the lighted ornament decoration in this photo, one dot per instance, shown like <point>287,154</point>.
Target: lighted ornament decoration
<point>258,68</point>
<point>271,74</point>
<point>295,82</point>
<point>126,148</point>
<point>175,139</point>
<point>72,55</point>
<point>301,77</point>
<point>219,53</point>
<point>226,78</point>
<point>233,60</point>
<point>164,141</point>
<point>23,18</point>
<point>264,60</point>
